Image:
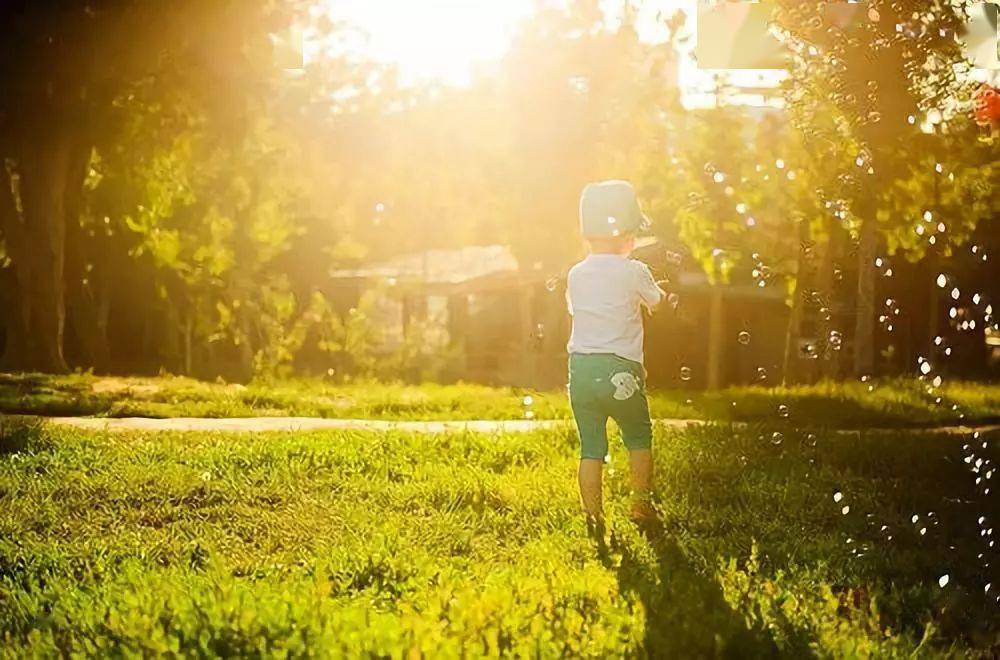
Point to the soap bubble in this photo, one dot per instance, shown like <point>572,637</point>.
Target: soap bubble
<point>552,284</point>
<point>744,338</point>
<point>777,438</point>
<point>685,373</point>
<point>783,410</point>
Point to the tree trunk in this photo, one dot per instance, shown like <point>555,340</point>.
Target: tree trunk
<point>716,337</point>
<point>792,372</point>
<point>827,283</point>
<point>15,315</point>
<point>35,228</point>
<point>88,307</point>
<point>864,324</point>
<point>88,290</point>
<point>188,343</point>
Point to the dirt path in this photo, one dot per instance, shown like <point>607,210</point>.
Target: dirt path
<point>292,424</point>
<point>286,424</point>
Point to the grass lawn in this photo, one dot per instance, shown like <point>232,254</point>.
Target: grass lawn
<point>898,403</point>
<point>391,544</point>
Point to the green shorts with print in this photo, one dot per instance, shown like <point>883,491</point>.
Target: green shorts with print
<point>602,386</point>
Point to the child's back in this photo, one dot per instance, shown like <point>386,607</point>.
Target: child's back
<point>605,293</point>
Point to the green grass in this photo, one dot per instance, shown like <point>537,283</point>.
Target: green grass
<point>392,544</point>
<point>897,403</point>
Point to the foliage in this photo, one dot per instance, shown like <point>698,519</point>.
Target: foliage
<point>883,85</point>
<point>218,198</point>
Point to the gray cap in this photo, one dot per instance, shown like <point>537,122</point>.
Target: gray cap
<point>611,208</point>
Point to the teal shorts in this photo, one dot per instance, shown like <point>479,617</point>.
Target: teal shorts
<point>602,386</point>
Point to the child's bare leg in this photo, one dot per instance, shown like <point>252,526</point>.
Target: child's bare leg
<point>641,473</point>
<point>590,474</point>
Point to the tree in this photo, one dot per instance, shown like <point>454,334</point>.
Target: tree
<point>584,99</point>
<point>64,68</point>
<point>871,69</point>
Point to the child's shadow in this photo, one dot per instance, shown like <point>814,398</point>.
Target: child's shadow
<point>686,613</point>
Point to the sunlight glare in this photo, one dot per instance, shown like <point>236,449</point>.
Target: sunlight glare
<point>433,40</point>
<point>444,40</point>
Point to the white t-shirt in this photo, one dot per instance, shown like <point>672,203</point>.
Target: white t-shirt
<point>605,294</point>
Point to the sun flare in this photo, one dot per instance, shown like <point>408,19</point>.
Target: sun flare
<point>439,40</point>
<point>444,40</point>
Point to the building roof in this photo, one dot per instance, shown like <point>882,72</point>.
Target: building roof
<point>439,266</point>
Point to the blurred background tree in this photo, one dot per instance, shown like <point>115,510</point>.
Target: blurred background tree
<point>69,73</point>
<point>174,198</point>
<point>880,80</point>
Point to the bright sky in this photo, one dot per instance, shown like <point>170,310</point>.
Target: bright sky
<point>433,39</point>
<point>444,39</point>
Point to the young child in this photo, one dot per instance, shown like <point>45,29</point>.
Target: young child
<point>606,293</point>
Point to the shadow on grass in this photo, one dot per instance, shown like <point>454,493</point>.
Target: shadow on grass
<point>20,435</point>
<point>900,404</point>
<point>687,615</point>
<point>36,394</point>
<point>918,510</point>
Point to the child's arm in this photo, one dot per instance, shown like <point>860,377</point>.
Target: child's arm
<point>650,293</point>
<point>569,298</point>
